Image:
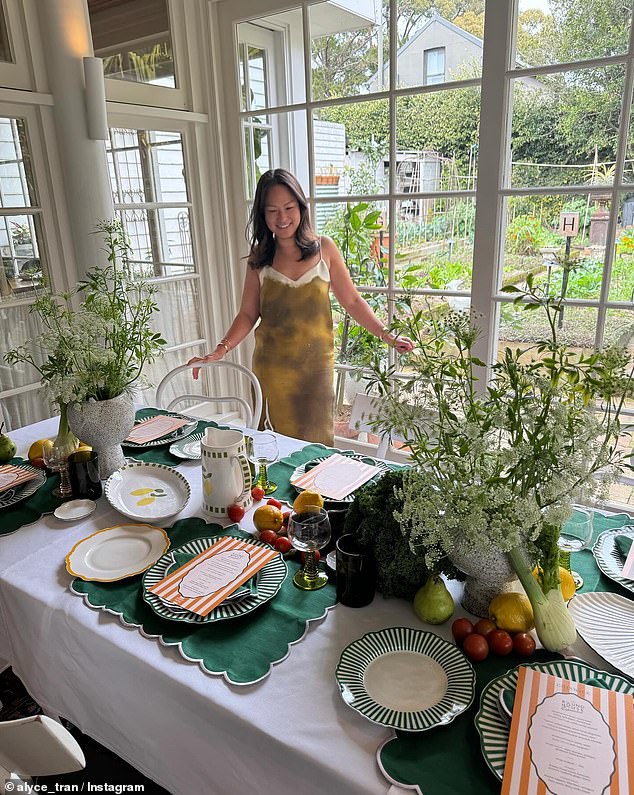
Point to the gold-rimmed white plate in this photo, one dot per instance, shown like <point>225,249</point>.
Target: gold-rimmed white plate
<point>115,553</point>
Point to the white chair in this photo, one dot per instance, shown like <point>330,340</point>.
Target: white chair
<point>252,410</point>
<point>36,746</point>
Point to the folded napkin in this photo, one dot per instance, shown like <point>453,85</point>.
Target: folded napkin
<point>154,428</point>
<point>623,545</point>
<point>249,588</point>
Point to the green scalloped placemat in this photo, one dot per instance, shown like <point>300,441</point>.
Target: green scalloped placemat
<point>31,509</point>
<point>585,564</point>
<point>241,649</point>
<point>447,759</point>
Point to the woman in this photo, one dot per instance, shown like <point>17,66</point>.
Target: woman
<point>287,288</point>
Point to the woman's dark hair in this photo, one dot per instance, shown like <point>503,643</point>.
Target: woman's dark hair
<point>261,238</point>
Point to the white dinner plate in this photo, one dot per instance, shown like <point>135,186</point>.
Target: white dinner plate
<point>117,552</point>
<point>179,433</point>
<point>405,678</point>
<point>73,510</point>
<point>606,622</point>
<point>147,492</point>
<point>608,557</point>
<point>494,730</point>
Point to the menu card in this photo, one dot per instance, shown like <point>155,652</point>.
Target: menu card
<point>568,738</point>
<point>209,578</point>
<point>336,477</point>
<point>12,476</point>
<point>148,430</point>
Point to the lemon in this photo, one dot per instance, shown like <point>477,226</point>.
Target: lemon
<point>566,582</point>
<point>307,498</point>
<point>36,450</point>
<point>512,612</point>
<point>268,517</point>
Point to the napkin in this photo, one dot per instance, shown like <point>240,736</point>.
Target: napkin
<point>249,588</point>
<point>623,545</point>
<point>12,476</point>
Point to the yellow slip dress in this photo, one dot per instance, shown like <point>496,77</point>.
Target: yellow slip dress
<point>294,353</point>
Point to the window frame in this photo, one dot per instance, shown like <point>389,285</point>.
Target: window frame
<point>442,76</point>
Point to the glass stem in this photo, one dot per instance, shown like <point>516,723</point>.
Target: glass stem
<point>65,489</point>
<point>310,564</point>
<point>564,559</point>
<point>263,480</point>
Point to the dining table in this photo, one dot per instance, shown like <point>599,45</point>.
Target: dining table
<point>193,729</point>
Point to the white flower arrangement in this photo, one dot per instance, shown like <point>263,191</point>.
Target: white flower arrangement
<point>98,350</point>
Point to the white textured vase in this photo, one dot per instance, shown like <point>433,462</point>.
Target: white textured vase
<point>488,574</point>
<point>104,424</point>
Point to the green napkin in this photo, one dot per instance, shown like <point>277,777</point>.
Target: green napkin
<point>249,587</point>
<point>623,545</point>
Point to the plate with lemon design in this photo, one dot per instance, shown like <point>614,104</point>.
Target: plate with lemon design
<point>147,492</point>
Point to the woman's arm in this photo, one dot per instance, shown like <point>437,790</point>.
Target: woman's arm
<point>358,308</point>
<point>242,324</point>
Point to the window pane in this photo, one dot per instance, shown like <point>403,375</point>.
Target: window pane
<point>437,139</point>
<point>146,166</point>
<point>522,329</point>
<point>22,264</point>
<point>534,244</point>
<point>352,141</point>
<point>277,140</point>
<point>434,243</point>
<point>17,186</point>
<point>179,314</point>
<point>135,43</point>
<point>350,48</point>
<point>28,407</point>
<point>5,45</point>
<point>559,31</point>
<point>271,61</point>
<point>161,242</point>
<point>565,127</point>
<point>458,36</point>
<point>622,276</point>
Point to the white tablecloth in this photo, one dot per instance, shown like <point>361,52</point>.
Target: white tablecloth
<point>191,732</point>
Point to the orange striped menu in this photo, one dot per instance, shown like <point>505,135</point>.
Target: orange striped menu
<point>207,579</point>
<point>568,738</point>
<point>12,476</point>
<point>336,477</point>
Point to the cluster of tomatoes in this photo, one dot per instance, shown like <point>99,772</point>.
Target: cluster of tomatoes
<point>478,639</point>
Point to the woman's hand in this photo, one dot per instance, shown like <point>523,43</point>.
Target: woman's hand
<point>216,356</point>
<point>401,344</point>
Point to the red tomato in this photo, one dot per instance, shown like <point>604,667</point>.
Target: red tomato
<point>283,545</point>
<point>501,642</point>
<point>235,512</point>
<point>460,628</point>
<point>476,648</point>
<point>272,501</point>
<point>523,644</point>
<point>485,626</point>
<point>283,531</point>
<point>286,516</point>
<point>268,537</point>
<point>257,492</point>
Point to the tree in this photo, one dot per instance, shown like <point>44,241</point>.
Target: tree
<point>343,62</point>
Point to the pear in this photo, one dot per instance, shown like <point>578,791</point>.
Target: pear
<point>7,447</point>
<point>433,603</point>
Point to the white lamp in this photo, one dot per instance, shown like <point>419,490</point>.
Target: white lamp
<point>95,98</point>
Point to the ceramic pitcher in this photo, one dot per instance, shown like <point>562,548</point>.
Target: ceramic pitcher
<point>226,471</point>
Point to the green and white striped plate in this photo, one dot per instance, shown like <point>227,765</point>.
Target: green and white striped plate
<point>405,678</point>
<point>608,558</point>
<point>188,448</point>
<point>270,579</point>
<point>494,731</point>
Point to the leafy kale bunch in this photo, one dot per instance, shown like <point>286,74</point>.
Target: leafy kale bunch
<point>400,572</point>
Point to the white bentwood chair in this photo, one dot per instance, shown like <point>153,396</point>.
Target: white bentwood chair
<point>36,746</point>
<point>252,409</point>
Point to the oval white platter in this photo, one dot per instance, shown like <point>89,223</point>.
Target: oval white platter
<point>608,558</point>
<point>405,678</point>
<point>73,510</point>
<point>147,492</point>
<point>494,730</point>
<point>117,552</point>
<point>606,622</point>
